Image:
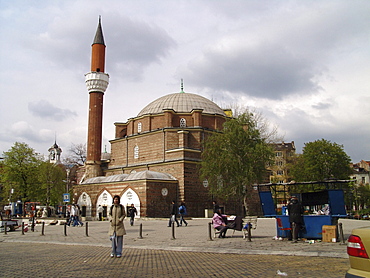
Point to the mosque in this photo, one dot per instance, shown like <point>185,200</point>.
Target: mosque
<point>155,156</point>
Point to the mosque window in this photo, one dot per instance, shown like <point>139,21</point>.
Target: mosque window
<point>182,122</point>
<point>136,152</point>
<point>139,127</point>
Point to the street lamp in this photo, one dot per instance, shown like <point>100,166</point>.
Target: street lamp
<point>68,170</point>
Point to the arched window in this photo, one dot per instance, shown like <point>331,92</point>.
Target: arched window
<point>182,122</point>
<point>136,151</point>
<point>139,127</point>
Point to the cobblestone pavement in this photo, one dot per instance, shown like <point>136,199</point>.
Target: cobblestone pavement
<point>52,260</point>
<point>155,254</point>
<point>194,237</point>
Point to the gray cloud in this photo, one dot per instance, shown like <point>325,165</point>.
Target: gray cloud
<point>264,71</point>
<point>131,45</point>
<point>45,109</point>
<point>322,105</point>
<point>286,54</point>
<point>135,45</point>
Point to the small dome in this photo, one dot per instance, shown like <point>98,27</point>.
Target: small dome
<point>181,103</point>
<point>149,175</point>
<point>94,180</point>
<point>143,175</point>
<point>114,178</point>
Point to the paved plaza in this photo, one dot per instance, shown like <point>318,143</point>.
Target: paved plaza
<point>157,252</point>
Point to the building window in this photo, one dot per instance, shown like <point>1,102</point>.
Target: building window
<point>280,172</point>
<point>182,122</point>
<point>139,127</point>
<point>279,163</point>
<point>136,152</point>
<point>279,154</point>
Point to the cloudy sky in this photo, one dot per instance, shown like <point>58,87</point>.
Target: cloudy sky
<point>303,64</point>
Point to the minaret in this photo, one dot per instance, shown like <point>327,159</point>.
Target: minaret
<point>97,82</point>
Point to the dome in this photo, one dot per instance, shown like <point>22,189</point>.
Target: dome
<point>181,103</point>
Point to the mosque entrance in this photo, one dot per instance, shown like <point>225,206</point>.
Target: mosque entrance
<point>84,202</point>
<point>105,200</point>
<point>130,197</point>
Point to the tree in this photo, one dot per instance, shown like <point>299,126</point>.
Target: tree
<point>76,158</point>
<point>52,183</point>
<point>322,160</point>
<point>19,172</point>
<point>234,159</point>
<point>77,155</point>
<point>30,177</point>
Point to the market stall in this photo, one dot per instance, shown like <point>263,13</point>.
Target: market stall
<point>322,208</point>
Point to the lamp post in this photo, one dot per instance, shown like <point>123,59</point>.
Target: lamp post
<point>68,170</point>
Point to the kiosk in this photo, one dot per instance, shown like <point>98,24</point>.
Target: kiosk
<point>331,199</point>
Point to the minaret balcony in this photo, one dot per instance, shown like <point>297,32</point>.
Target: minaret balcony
<point>96,81</point>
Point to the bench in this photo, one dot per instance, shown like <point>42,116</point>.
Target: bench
<point>241,226</point>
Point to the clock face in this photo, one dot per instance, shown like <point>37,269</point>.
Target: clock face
<point>164,191</point>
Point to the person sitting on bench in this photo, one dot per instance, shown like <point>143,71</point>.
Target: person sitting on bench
<point>219,224</point>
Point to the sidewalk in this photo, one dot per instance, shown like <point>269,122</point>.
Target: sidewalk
<point>195,237</point>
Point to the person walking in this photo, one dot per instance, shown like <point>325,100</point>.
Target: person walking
<point>295,211</point>
<point>132,211</point>
<point>77,221</point>
<point>173,215</point>
<point>117,228</point>
<point>72,215</point>
<point>183,212</point>
<point>100,212</point>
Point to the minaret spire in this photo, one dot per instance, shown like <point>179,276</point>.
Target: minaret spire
<point>99,38</point>
<point>97,82</point>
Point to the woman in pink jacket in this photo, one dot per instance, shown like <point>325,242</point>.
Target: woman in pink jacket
<point>219,224</point>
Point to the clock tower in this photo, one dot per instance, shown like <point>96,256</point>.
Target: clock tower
<point>54,153</point>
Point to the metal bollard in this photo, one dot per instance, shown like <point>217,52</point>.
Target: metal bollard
<point>33,224</point>
<point>87,228</point>
<point>341,233</point>
<point>249,231</point>
<point>295,240</point>
<point>173,230</point>
<point>22,228</point>
<point>65,229</point>
<point>210,231</point>
<point>43,228</point>
<point>5,228</point>
<point>141,231</point>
